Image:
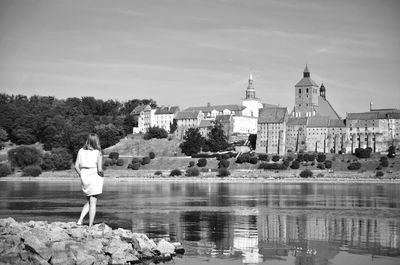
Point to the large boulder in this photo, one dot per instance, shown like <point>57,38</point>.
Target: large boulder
<point>165,247</point>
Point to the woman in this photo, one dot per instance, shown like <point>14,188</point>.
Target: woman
<point>89,167</point>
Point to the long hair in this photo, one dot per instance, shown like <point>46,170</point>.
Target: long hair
<point>92,142</point>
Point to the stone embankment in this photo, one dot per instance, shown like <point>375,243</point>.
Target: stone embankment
<point>68,243</point>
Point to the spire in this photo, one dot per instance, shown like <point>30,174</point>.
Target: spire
<point>251,77</point>
<point>306,72</point>
<point>250,92</point>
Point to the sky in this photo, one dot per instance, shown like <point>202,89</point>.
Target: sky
<point>194,52</point>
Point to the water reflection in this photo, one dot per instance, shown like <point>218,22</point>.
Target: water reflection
<point>241,223</point>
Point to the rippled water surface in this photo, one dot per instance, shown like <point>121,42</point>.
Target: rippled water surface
<point>220,223</point>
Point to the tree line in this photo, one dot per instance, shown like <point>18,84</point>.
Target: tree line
<point>65,122</point>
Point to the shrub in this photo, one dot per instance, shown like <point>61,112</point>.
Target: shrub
<point>253,160</point>
<point>136,160</point>
<point>158,173</point>
<point>379,174</point>
<point>120,162</point>
<point>191,164</point>
<point>205,148</point>
<point>276,158</point>
<point>23,156</point>
<point>263,157</point>
<point>309,157</point>
<point>321,166</point>
<point>244,158</point>
<point>202,162</point>
<point>62,159</point>
<point>290,158</point>
<point>320,175</point>
<point>192,172</point>
<point>155,132</point>
<point>385,163</point>
<point>312,164</point>
<point>321,157</point>
<point>328,164</point>
<point>383,158</point>
<point>354,166</point>
<point>175,172</point>
<point>32,170</point>
<point>129,166</point>
<point>223,163</point>
<point>379,167</point>
<point>306,173</point>
<point>113,155</point>
<point>152,155</point>
<point>362,153</point>
<point>145,160</point>
<point>392,151</point>
<point>271,166</point>
<point>107,162</point>
<point>47,162</point>
<point>285,164</point>
<point>300,157</point>
<point>135,166</point>
<point>223,172</point>
<point>5,170</point>
<point>295,164</point>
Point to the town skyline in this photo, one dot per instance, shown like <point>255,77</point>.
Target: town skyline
<point>189,53</point>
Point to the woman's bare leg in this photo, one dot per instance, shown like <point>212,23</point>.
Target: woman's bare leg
<point>92,209</point>
<point>85,210</point>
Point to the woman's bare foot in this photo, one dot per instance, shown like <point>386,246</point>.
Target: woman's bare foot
<point>79,223</point>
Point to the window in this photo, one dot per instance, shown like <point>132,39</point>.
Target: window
<point>299,90</point>
<point>307,90</point>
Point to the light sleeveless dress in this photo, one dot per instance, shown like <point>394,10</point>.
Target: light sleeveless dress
<point>92,183</point>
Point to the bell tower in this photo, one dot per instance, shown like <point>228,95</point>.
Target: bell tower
<point>306,96</point>
<point>250,101</point>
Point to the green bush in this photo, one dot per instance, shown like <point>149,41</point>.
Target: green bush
<point>23,156</point>
<point>310,157</point>
<point>47,162</point>
<point>379,174</point>
<point>379,167</point>
<point>62,159</point>
<point>120,162</point>
<point>152,155</point>
<point>362,153</point>
<point>175,172</point>
<point>155,132</point>
<point>202,162</point>
<point>223,163</point>
<point>136,160</point>
<point>354,166</point>
<point>295,164</point>
<point>32,170</point>
<point>135,166</point>
<point>146,160</point>
<point>321,157</point>
<point>276,158</point>
<point>289,158</point>
<point>271,166</point>
<point>5,170</point>
<point>306,173</point>
<point>321,166</point>
<point>263,157</point>
<point>253,160</point>
<point>191,164</point>
<point>113,155</point>
<point>192,172</point>
<point>392,152</point>
<point>328,164</point>
<point>300,157</point>
<point>384,163</point>
<point>223,172</point>
<point>158,173</point>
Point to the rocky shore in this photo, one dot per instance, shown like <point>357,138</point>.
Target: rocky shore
<point>68,243</point>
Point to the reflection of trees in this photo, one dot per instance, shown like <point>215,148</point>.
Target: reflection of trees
<point>220,233</point>
<point>191,228</point>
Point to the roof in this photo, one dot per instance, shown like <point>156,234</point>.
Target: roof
<point>325,108</point>
<point>318,121</point>
<point>306,81</point>
<point>217,108</point>
<point>373,115</point>
<point>167,110</point>
<point>385,110</point>
<point>272,115</point>
<point>297,121</point>
<point>186,115</point>
<point>336,124</point>
<point>206,123</point>
<point>267,105</point>
<point>138,109</point>
<point>223,118</point>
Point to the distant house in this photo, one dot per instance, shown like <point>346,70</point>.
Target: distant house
<point>145,118</point>
<point>271,133</point>
<point>186,120</point>
<point>164,117</point>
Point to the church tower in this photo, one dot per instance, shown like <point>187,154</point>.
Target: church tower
<point>250,101</point>
<point>306,96</point>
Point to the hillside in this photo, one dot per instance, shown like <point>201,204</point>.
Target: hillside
<point>134,145</point>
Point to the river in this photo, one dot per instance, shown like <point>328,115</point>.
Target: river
<point>236,223</point>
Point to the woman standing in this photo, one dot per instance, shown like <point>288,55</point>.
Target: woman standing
<point>89,167</point>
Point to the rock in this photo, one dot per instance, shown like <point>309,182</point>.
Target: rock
<point>37,260</point>
<point>57,234</point>
<point>84,259</point>
<point>78,232</point>
<point>141,242</point>
<point>101,230</point>
<point>121,252</point>
<point>178,248</point>
<point>165,247</point>
<point>36,245</point>
<point>7,222</point>
<point>93,246</point>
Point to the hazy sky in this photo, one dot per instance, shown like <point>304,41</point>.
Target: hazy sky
<point>190,52</point>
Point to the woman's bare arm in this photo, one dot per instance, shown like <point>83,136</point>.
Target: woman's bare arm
<point>100,165</point>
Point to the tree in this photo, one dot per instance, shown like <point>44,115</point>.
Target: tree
<point>217,140</point>
<point>3,137</point>
<point>392,151</point>
<point>173,126</point>
<point>130,121</point>
<point>192,142</point>
<point>253,140</point>
<point>109,135</point>
<point>23,156</point>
